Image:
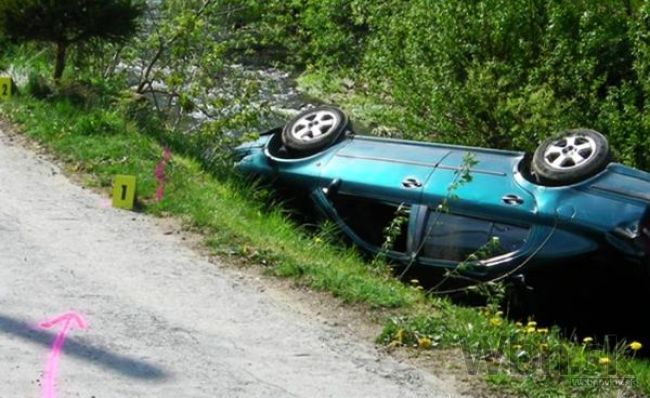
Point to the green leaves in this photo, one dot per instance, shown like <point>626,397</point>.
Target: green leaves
<point>68,22</point>
<point>501,73</point>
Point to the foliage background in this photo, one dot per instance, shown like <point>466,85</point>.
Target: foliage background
<point>500,73</point>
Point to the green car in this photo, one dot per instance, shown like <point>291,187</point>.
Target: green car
<point>564,202</point>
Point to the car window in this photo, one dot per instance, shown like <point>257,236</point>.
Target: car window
<point>369,218</point>
<point>454,237</point>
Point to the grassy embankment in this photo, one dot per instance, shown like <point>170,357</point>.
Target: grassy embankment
<point>90,131</point>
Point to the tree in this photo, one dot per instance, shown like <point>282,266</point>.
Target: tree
<point>65,23</point>
<point>183,59</point>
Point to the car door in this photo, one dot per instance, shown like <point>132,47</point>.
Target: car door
<point>491,204</point>
<point>451,238</point>
<point>384,170</point>
<point>368,180</point>
<point>365,221</point>
<point>492,189</point>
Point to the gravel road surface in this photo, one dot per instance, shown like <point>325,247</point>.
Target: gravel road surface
<point>162,320</point>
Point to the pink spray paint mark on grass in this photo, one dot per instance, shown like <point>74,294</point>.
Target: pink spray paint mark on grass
<point>67,322</point>
<point>159,173</point>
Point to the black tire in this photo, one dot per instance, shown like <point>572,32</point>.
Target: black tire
<point>314,129</point>
<point>570,157</point>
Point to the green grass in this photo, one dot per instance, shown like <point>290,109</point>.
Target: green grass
<point>95,137</point>
<point>222,209</point>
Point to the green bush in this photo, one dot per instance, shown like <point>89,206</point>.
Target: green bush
<point>302,32</point>
<point>501,73</point>
<point>66,23</point>
<point>509,73</point>
<point>37,86</point>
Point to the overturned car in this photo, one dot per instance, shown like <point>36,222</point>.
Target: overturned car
<point>565,202</point>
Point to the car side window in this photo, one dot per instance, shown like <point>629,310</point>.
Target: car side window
<point>369,218</point>
<point>454,237</point>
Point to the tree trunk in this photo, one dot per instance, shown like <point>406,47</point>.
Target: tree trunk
<point>61,50</point>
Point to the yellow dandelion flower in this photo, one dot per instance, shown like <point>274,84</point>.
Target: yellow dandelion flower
<point>519,324</point>
<point>415,282</point>
<point>531,324</point>
<point>542,330</point>
<point>424,342</point>
<point>603,361</point>
<point>318,240</point>
<point>543,346</point>
<point>530,329</point>
<point>496,321</point>
<point>587,340</point>
<point>635,346</point>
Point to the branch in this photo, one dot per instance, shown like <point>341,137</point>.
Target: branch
<point>165,44</point>
<point>144,80</point>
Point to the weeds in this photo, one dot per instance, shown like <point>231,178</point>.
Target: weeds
<point>520,356</point>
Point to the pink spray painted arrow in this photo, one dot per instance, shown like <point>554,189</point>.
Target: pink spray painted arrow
<point>159,173</point>
<point>68,320</point>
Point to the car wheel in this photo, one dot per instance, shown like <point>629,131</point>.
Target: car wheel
<point>314,129</point>
<point>571,157</point>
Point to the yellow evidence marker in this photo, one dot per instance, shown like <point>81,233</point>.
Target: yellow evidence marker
<point>6,87</point>
<point>124,192</point>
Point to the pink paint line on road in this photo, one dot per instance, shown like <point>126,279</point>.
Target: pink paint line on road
<point>105,203</point>
<point>67,320</point>
<point>159,173</point>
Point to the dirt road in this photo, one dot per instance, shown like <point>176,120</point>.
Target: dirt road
<point>162,321</point>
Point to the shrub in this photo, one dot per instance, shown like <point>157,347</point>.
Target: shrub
<point>68,22</point>
<point>325,32</point>
<point>37,86</point>
<point>501,73</point>
<point>509,73</point>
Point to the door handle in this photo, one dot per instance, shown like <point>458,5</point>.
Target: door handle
<point>411,182</point>
<point>332,187</point>
<point>512,200</point>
